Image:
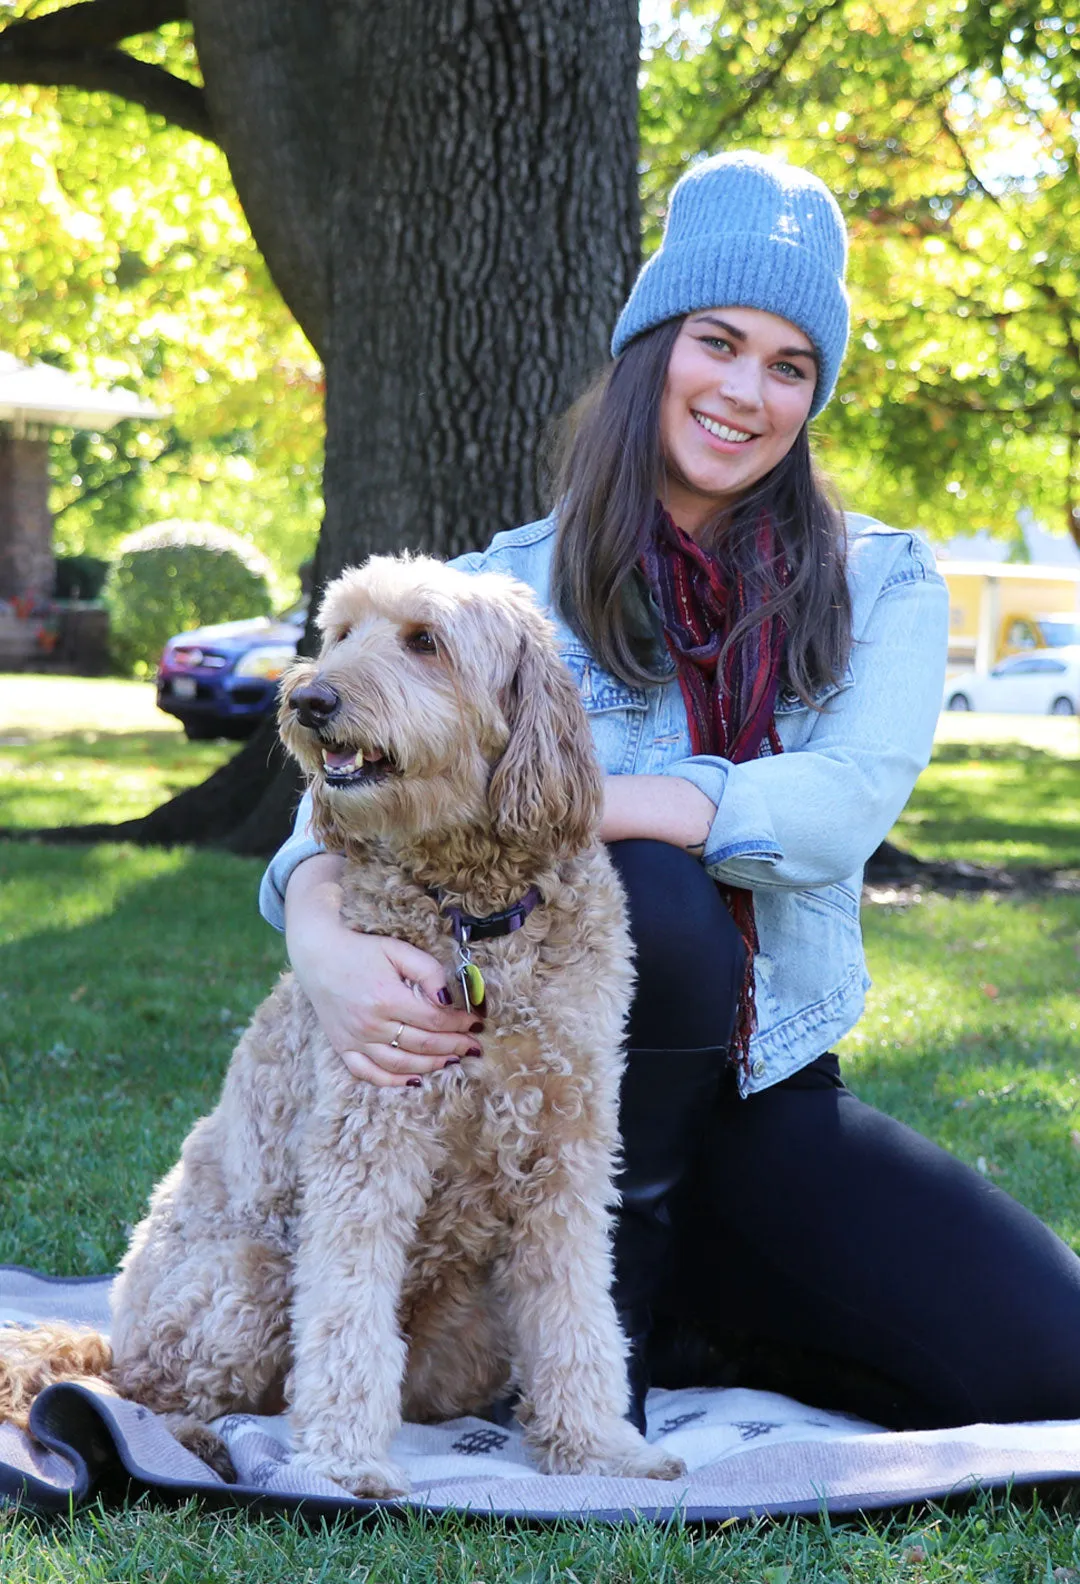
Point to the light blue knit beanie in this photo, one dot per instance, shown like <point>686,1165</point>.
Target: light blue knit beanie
<point>745,230</point>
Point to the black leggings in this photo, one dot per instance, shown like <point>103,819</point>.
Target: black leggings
<point>824,1249</point>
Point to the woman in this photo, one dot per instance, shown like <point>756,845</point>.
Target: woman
<point>763,680</point>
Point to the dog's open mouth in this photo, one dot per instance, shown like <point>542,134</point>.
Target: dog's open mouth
<point>345,767</point>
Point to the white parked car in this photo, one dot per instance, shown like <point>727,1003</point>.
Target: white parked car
<point>1038,682</point>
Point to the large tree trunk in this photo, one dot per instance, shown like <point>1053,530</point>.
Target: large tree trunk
<point>483,235</point>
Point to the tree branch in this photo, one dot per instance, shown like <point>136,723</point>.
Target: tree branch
<point>97,25</point>
<point>763,81</point>
<point>270,71</point>
<point>74,48</point>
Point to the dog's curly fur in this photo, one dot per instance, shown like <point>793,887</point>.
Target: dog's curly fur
<point>395,1250</point>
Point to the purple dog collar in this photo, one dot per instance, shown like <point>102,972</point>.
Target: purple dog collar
<point>466,928</point>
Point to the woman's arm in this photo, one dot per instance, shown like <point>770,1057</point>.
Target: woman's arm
<point>363,987</point>
<point>661,807</point>
<point>813,816</point>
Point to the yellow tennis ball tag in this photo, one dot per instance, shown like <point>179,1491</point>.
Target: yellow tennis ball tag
<point>473,982</point>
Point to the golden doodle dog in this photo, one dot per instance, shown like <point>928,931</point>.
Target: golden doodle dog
<point>415,1251</point>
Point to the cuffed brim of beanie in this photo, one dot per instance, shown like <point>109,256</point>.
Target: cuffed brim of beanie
<point>744,270</point>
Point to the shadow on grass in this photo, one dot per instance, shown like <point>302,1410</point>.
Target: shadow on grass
<point>1014,806</point>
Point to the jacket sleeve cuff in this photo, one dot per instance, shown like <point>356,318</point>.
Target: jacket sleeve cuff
<point>742,827</point>
<point>300,845</point>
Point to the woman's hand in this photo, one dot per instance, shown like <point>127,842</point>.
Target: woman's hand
<point>663,808</point>
<point>383,1005</point>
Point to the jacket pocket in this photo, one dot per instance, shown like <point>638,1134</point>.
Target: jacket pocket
<point>600,690</point>
<point>616,712</point>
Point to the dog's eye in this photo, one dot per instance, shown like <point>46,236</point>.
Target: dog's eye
<point>341,634</point>
<point>422,641</point>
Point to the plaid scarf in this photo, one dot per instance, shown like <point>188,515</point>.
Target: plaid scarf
<point>729,708</point>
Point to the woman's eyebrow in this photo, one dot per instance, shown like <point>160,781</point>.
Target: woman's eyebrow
<point>740,335</point>
<point>722,324</point>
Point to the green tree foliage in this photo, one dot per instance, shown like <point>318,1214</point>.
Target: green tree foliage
<point>125,258</point>
<point>948,133</point>
<point>173,576</point>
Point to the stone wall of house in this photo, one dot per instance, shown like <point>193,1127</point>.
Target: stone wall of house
<point>27,566</point>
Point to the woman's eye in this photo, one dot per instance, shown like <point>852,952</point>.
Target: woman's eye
<point>790,368</point>
<point>720,342</point>
<point>422,642</point>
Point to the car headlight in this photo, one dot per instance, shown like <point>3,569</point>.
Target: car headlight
<point>267,662</point>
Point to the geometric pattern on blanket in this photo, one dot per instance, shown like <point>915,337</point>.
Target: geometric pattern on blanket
<point>747,1453</point>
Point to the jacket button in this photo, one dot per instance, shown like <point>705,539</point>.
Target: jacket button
<point>758,1068</point>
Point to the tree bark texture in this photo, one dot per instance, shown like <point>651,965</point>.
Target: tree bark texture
<point>483,233</point>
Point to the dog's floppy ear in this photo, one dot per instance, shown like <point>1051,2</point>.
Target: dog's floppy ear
<point>545,792</point>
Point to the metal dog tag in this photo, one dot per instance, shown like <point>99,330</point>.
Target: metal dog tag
<point>470,978</point>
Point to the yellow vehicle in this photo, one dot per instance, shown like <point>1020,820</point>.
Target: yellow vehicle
<point>997,609</point>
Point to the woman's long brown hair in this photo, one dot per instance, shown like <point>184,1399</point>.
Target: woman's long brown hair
<point>610,472</point>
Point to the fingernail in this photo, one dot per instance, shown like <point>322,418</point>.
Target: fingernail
<point>452,1061</point>
<point>414,1083</point>
<point>444,998</point>
<point>476,1028</point>
<point>474,1050</point>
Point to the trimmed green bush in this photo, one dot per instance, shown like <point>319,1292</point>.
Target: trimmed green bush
<point>173,576</point>
<point>79,577</point>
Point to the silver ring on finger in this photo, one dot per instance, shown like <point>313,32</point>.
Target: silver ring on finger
<point>394,1042</point>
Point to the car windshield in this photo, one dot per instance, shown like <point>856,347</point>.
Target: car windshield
<point>1059,631</point>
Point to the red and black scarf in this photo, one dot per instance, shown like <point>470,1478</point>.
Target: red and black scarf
<point>730,707</point>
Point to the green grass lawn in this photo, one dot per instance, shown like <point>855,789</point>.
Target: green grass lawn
<point>74,750</point>
<point>995,798</point>
<point>125,975</point>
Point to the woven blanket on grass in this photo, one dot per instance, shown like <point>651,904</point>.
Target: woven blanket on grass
<point>746,1452</point>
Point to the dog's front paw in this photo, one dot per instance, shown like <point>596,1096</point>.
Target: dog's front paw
<point>376,1478</point>
<point>617,1451</point>
<point>206,1444</point>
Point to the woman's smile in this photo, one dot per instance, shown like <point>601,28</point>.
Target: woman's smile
<point>725,433</point>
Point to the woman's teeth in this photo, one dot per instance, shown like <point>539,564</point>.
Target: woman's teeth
<point>721,431</point>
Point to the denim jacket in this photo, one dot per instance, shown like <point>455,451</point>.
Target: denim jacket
<point>797,827</point>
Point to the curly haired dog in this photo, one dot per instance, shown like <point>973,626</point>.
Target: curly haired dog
<point>415,1250</point>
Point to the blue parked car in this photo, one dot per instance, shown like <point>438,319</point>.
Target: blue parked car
<point>221,681</point>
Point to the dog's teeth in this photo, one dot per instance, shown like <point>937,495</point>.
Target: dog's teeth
<point>336,760</point>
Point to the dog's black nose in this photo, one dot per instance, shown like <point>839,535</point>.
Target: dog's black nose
<point>315,703</point>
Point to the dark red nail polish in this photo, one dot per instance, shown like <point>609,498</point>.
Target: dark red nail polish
<point>474,1050</point>
<point>414,1083</point>
<point>452,1061</point>
<point>444,998</point>
<point>476,1028</point>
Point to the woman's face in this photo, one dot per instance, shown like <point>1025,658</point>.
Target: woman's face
<point>738,390</point>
